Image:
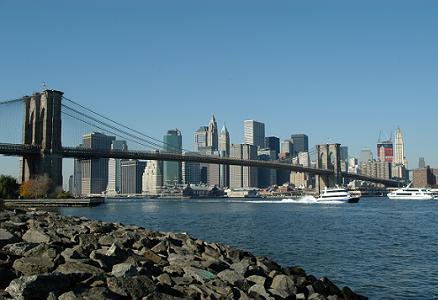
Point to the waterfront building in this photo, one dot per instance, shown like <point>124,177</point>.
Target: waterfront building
<point>353,165</point>
<point>399,151</point>
<point>191,171</point>
<point>213,172</point>
<point>424,177</point>
<point>152,180</point>
<point>94,172</point>
<point>376,168</point>
<point>421,163</point>
<point>273,143</point>
<point>243,177</point>
<point>301,180</point>
<point>300,143</point>
<point>212,134</point>
<point>365,156</point>
<point>343,152</point>
<point>172,169</point>
<point>70,184</point>
<point>200,138</point>
<point>266,177</point>
<point>77,178</point>
<point>114,169</point>
<point>131,176</point>
<point>254,133</point>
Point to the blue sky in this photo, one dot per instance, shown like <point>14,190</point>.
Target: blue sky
<point>336,70</point>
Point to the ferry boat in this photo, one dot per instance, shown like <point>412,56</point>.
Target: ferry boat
<point>336,195</point>
<point>408,193</point>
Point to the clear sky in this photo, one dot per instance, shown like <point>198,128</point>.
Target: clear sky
<point>339,71</point>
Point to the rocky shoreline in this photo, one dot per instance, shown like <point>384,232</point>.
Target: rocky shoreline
<point>44,255</point>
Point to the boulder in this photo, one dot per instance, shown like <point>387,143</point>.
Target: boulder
<point>256,279</point>
<point>78,271</point>
<point>33,265</point>
<point>124,270</point>
<point>230,276</point>
<point>36,236</point>
<point>18,249</point>
<point>94,293</point>
<point>6,237</point>
<point>38,286</point>
<point>133,287</point>
<point>285,283</point>
<point>259,290</point>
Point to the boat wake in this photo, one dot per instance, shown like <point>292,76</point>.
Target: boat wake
<point>300,200</point>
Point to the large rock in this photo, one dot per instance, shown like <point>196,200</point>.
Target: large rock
<point>94,293</point>
<point>79,271</point>
<point>124,270</point>
<point>33,265</point>
<point>37,286</point>
<point>230,276</point>
<point>36,236</point>
<point>19,249</point>
<point>133,287</point>
<point>6,237</point>
<point>285,283</point>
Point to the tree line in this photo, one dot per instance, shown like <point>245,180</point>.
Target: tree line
<point>37,187</point>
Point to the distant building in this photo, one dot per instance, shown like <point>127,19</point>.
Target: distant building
<point>224,151</point>
<point>424,177</point>
<point>131,176</point>
<point>152,180</point>
<point>399,151</point>
<point>172,169</point>
<point>385,151</point>
<point>94,172</point>
<point>376,168</point>
<point>200,138</point>
<point>266,177</point>
<point>300,143</point>
<point>343,151</point>
<point>114,169</point>
<point>70,184</point>
<point>273,143</point>
<point>77,178</point>
<point>212,134</point>
<point>301,180</point>
<point>243,177</point>
<point>421,163</point>
<point>191,171</point>
<point>365,156</point>
<point>287,148</point>
<point>254,133</point>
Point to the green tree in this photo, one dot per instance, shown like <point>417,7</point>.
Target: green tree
<point>8,187</point>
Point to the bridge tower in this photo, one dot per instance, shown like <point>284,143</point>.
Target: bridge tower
<point>42,127</point>
<point>328,157</point>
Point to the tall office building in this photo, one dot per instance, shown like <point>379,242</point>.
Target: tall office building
<point>114,169</point>
<point>224,141</point>
<point>254,133</point>
<point>212,134</point>
<point>343,151</point>
<point>273,143</point>
<point>300,142</point>
<point>243,177</point>
<point>191,171</point>
<point>172,169</point>
<point>77,177</point>
<point>224,151</point>
<point>152,180</point>
<point>385,151</point>
<point>200,138</point>
<point>365,156</point>
<point>399,150</point>
<point>267,177</point>
<point>421,163</point>
<point>287,148</point>
<point>94,172</point>
<point>131,176</point>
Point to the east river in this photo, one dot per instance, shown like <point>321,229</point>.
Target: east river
<point>381,248</point>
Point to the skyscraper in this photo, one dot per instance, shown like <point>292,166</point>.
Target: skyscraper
<point>152,180</point>
<point>273,143</point>
<point>212,134</point>
<point>94,172</point>
<point>385,151</point>
<point>114,169</point>
<point>254,133</point>
<point>224,151</point>
<point>399,151</point>
<point>300,142</point>
<point>191,171</point>
<point>421,163</point>
<point>131,176</point>
<point>172,169</point>
<point>243,177</point>
<point>200,138</point>
<point>365,156</point>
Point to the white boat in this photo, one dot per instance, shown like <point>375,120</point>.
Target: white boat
<point>336,195</point>
<point>409,193</point>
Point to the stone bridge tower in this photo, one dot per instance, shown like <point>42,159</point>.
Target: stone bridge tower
<point>328,157</point>
<point>42,127</point>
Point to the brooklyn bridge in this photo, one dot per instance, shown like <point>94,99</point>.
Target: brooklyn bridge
<point>42,150</point>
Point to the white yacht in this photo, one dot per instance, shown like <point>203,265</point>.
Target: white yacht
<point>408,193</point>
<point>336,195</point>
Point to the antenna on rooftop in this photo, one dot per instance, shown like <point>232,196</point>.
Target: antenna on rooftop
<point>44,86</point>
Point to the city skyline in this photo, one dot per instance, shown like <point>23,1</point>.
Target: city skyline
<point>292,66</point>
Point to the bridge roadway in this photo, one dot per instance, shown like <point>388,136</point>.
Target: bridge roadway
<point>86,153</point>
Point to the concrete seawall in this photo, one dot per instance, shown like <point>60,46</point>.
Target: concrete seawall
<point>44,255</point>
